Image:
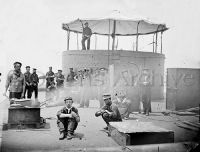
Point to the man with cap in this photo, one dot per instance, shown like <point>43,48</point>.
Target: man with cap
<point>109,111</point>
<point>15,82</point>
<point>145,86</point>
<point>59,82</point>
<point>60,79</point>
<point>68,119</point>
<point>27,75</point>
<point>49,77</point>
<point>70,77</point>
<point>87,32</point>
<point>34,82</point>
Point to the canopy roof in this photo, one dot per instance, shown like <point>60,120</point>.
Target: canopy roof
<point>117,24</point>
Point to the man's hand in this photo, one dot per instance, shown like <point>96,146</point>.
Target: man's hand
<point>102,111</point>
<point>74,115</point>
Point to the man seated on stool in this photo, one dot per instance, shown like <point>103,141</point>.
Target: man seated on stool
<point>68,119</point>
<point>109,112</point>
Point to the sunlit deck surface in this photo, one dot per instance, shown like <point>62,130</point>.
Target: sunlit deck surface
<point>90,129</point>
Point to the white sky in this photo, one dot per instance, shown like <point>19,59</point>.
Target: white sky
<point>31,30</point>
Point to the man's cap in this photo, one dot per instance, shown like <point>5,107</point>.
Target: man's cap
<point>50,67</point>
<point>60,70</point>
<point>86,23</point>
<point>106,95</point>
<point>27,66</point>
<point>18,63</point>
<point>68,98</point>
<point>34,69</point>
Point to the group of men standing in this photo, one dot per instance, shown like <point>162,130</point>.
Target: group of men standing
<point>19,84</point>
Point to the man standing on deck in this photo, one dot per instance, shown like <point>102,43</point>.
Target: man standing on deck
<point>87,32</point>
<point>49,77</point>
<point>34,83</point>
<point>28,90</point>
<point>145,85</point>
<point>15,82</point>
<point>59,83</point>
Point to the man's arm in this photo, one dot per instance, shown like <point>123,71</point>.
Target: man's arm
<point>23,86</point>
<point>101,111</point>
<point>75,115</point>
<point>60,114</point>
<point>8,79</point>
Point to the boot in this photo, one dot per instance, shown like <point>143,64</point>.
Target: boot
<point>62,136</point>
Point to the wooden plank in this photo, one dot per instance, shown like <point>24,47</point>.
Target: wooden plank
<point>134,126</point>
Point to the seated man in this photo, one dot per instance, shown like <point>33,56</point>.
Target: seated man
<point>123,104</point>
<point>109,112</point>
<point>68,119</point>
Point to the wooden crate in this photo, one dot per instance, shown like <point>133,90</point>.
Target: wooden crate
<point>138,133</point>
<point>24,117</point>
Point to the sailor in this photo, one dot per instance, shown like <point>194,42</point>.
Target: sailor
<point>145,85</point>
<point>34,83</point>
<point>68,119</point>
<point>15,82</point>
<point>109,111</point>
<point>87,32</point>
<point>60,79</point>
<point>49,77</point>
<point>59,83</point>
<point>28,90</point>
<point>70,77</point>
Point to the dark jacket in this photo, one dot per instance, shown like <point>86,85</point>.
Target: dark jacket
<point>34,79</point>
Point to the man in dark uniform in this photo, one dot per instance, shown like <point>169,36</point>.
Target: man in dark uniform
<point>70,77</point>
<point>68,119</point>
<point>27,75</point>
<point>34,83</point>
<point>87,32</point>
<point>15,82</point>
<point>109,111</point>
<point>145,85</point>
<point>49,77</point>
<point>59,82</point>
<point>60,79</point>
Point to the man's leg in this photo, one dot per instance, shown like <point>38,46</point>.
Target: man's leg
<point>36,92</point>
<point>83,43</point>
<point>29,92</point>
<point>62,125</point>
<point>72,125</point>
<point>88,43</point>
<point>25,90</point>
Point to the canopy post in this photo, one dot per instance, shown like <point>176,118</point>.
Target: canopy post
<point>68,37</point>
<point>153,42</point>
<point>156,43</point>
<point>137,36</point>
<point>77,41</point>
<point>157,38</point>
<point>113,34</point>
<point>109,35</point>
